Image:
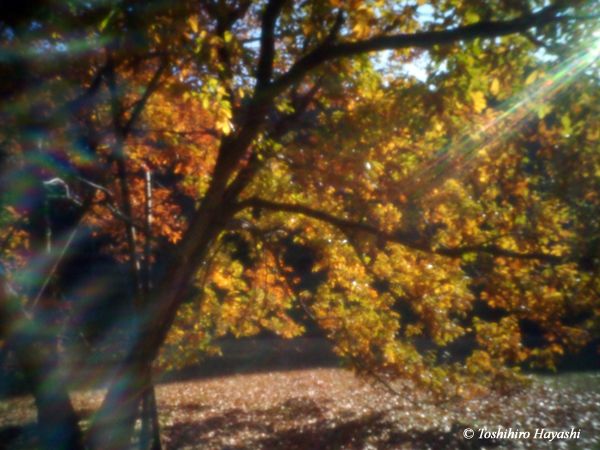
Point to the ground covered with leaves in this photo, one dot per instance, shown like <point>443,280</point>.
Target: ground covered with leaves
<point>332,409</point>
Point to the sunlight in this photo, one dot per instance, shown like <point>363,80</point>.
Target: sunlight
<point>484,138</point>
<point>595,47</point>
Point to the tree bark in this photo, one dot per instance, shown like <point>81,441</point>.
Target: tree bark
<point>58,424</point>
<point>112,426</point>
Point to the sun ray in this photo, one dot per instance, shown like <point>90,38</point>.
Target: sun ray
<point>488,137</point>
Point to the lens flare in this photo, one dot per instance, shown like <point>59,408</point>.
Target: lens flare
<point>489,136</point>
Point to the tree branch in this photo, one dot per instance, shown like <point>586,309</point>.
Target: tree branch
<point>335,30</point>
<point>484,29</point>
<point>398,237</point>
<point>141,103</point>
<point>239,12</point>
<point>300,105</point>
<point>246,174</point>
<point>210,7</point>
<point>264,71</point>
<point>118,153</point>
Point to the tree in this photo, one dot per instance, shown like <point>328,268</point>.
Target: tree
<point>279,120</point>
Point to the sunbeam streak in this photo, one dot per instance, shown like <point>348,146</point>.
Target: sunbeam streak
<point>486,138</point>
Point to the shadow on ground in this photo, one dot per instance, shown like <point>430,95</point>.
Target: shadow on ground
<point>302,424</point>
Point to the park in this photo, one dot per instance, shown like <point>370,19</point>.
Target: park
<point>285,224</point>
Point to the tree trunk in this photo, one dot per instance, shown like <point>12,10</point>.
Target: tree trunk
<point>58,424</point>
<point>150,433</point>
<point>113,423</point>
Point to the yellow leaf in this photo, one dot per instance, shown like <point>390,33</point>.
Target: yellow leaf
<point>531,78</point>
<point>593,135</point>
<point>495,86</point>
<point>361,29</point>
<point>544,110</point>
<point>225,126</point>
<point>472,17</point>
<point>479,103</point>
<point>193,24</point>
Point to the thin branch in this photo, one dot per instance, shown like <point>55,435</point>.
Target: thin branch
<point>121,133</point>
<point>84,208</point>
<point>335,30</point>
<point>107,202</point>
<point>586,17</point>
<point>300,107</point>
<point>96,187</point>
<point>119,215</point>
<point>243,178</point>
<point>246,174</point>
<point>118,152</point>
<point>141,103</point>
<point>77,104</point>
<point>150,426</point>
<point>222,13</point>
<point>148,237</point>
<point>359,364</point>
<point>54,267</point>
<point>288,284</point>
<point>210,7</point>
<point>240,11</point>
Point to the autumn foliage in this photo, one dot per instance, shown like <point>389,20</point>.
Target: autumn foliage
<point>439,160</point>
